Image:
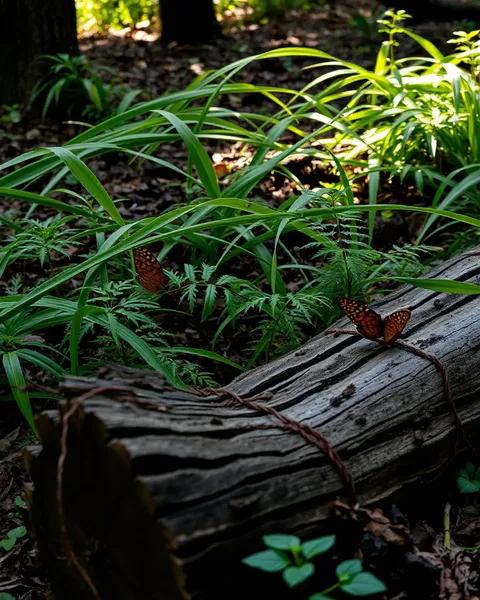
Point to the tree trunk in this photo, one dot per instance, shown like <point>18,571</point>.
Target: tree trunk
<point>188,21</point>
<point>218,477</point>
<point>28,29</point>
<point>439,10</point>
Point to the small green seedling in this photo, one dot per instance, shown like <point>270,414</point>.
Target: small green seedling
<point>468,480</point>
<point>287,554</point>
<point>12,536</point>
<point>19,502</point>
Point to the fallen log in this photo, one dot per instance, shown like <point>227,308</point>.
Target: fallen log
<point>159,482</point>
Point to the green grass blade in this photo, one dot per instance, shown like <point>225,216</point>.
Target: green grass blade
<point>425,44</point>
<point>470,181</point>
<point>89,181</point>
<point>204,354</point>
<point>198,153</point>
<point>16,380</point>
<point>157,223</point>
<point>441,285</point>
<point>140,346</point>
<point>373,186</point>
<point>42,361</point>
<point>45,201</point>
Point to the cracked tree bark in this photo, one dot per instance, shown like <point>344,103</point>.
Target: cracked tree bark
<point>29,29</point>
<point>203,475</point>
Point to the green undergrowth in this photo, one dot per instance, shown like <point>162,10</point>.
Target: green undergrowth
<point>237,275</point>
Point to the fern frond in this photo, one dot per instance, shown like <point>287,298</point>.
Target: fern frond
<point>175,278</point>
<point>190,272</point>
<point>207,272</point>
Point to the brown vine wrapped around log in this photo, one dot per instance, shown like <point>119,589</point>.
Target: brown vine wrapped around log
<point>203,481</point>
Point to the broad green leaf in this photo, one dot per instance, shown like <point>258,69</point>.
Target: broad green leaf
<point>347,568</point>
<point>16,533</point>
<point>470,468</point>
<point>7,543</point>
<point>279,541</point>
<point>465,486</point>
<point>318,546</point>
<point>6,596</point>
<point>364,584</point>
<point>268,560</point>
<point>295,575</point>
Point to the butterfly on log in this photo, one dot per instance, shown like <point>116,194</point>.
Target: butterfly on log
<point>372,325</point>
<point>149,271</point>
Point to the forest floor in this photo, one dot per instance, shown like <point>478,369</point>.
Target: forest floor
<point>143,64</point>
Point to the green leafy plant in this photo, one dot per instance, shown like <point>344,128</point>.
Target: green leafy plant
<point>468,480</point>
<point>39,240</point>
<point>73,85</point>
<point>281,315</point>
<point>8,542</point>
<point>288,555</point>
<point>467,44</point>
<point>232,251</point>
<point>412,119</point>
<point>10,115</point>
<point>19,502</point>
<point>6,596</point>
<point>19,344</point>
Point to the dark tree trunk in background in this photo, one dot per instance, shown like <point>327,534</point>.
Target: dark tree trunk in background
<point>439,10</point>
<point>188,21</point>
<point>29,28</point>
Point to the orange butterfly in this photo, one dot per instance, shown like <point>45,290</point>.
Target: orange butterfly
<point>149,271</point>
<point>371,325</point>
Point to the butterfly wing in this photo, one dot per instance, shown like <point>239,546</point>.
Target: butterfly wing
<point>394,324</point>
<point>149,271</point>
<point>368,322</point>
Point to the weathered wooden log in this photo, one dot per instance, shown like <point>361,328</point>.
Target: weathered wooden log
<point>202,474</point>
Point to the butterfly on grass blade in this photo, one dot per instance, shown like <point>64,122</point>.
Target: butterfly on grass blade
<point>149,271</point>
<point>371,325</point>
